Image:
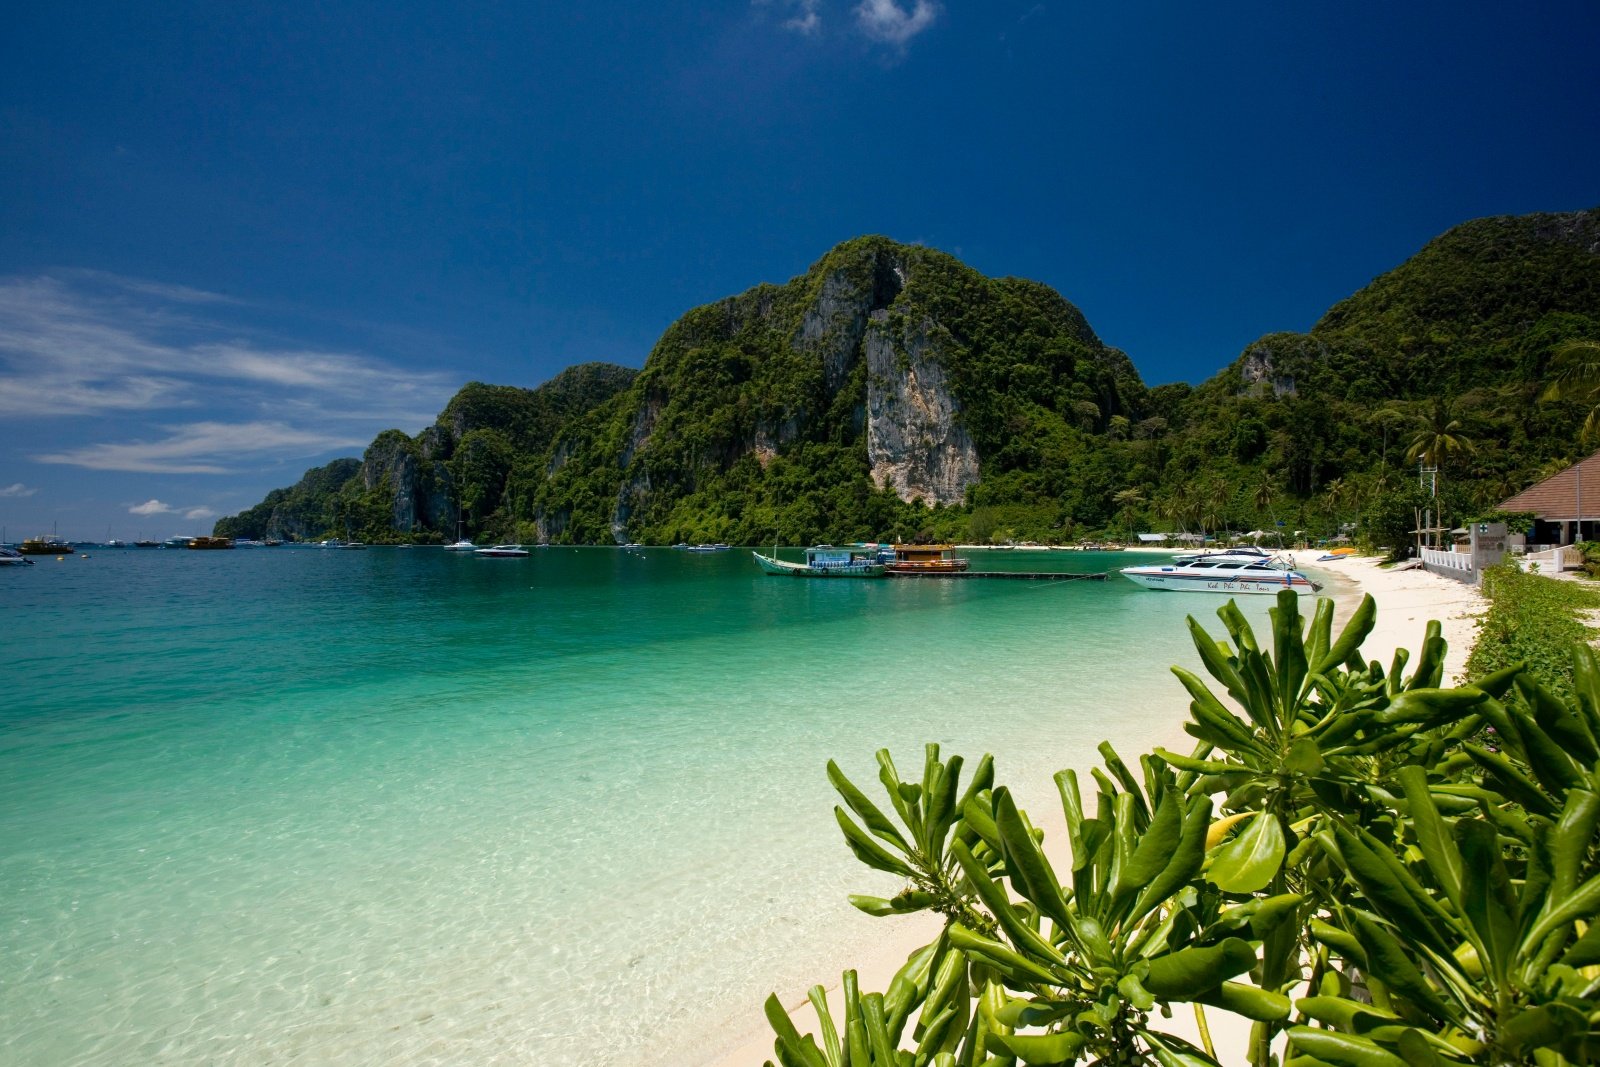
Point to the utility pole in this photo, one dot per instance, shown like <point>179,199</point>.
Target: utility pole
<point>1429,477</point>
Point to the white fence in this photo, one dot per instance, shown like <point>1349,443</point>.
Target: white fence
<point>1553,559</point>
<point>1453,561</point>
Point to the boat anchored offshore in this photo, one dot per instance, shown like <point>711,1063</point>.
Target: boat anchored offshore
<point>501,551</point>
<point>826,561</point>
<point>10,557</point>
<point>1234,571</point>
<point>45,546</point>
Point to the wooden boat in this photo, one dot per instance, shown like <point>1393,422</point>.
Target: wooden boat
<point>211,542</point>
<point>826,561</point>
<point>45,546</point>
<point>925,559</point>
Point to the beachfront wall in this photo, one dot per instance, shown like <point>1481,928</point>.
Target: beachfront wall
<point>1450,564</point>
<point>1465,563</point>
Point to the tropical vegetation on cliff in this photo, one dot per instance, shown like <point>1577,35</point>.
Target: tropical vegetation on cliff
<point>892,390</point>
<point>1377,871</point>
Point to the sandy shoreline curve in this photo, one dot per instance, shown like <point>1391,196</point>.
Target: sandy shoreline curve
<point>1406,601</point>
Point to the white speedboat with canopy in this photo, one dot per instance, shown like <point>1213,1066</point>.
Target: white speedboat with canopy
<point>1248,570</point>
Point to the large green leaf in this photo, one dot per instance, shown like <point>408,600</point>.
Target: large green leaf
<point>1351,637</point>
<point>867,850</point>
<point>1570,840</point>
<point>1542,1027</point>
<point>865,810</point>
<point>1390,889</point>
<point>1030,871</point>
<point>1189,972</point>
<point>1390,962</point>
<point>1154,850</point>
<point>1488,902</point>
<point>1249,861</point>
<point>1187,859</point>
<point>1042,1049</point>
<point>1249,1001</point>
<point>1345,1050</point>
<point>1433,836</point>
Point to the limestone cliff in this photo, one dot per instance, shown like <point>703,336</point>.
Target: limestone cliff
<point>915,443</point>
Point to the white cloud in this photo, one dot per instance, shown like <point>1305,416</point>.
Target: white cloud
<point>199,513</point>
<point>204,448</point>
<point>806,19</point>
<point>17,489</point>
<point>887,21</point>
<point>805,16</point>
<point>89,343</point>
<point>152,507</point>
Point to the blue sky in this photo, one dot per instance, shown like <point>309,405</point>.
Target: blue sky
<point>239,239</point>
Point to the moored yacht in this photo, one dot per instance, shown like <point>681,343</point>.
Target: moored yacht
<point>501,550</point>
<point>1247,570</point>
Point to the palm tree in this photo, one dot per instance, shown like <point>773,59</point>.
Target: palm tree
<point>1211,504</point>
<point>1334,493</point>
<point>1127,502</point>
<point>1264,495</point>
<point>1385,419</point>
<point>1440,437</point>
<point>1576,367</point>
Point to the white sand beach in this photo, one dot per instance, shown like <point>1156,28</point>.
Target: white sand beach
<point>1406,601</point>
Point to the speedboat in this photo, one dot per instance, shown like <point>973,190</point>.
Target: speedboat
<point>1247,570</point>
<point>501,550</point>
<point>10,557</point>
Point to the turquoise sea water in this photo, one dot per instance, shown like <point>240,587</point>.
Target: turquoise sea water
<point>298,805</point>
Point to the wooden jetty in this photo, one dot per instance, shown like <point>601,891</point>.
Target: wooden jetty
<point>1016,576</point>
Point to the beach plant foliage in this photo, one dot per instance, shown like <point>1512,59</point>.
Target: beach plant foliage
<point>1373,868</point>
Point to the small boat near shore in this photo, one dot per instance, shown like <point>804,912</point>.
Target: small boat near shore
<point>210,543</point>
<point>1247,570</point>
<point>826,561</point>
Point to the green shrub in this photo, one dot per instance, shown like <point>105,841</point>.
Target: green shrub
<point>1532,620</point>
<point>1339,860</point>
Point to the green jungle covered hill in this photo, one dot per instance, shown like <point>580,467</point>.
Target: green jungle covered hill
<point>892,391</point>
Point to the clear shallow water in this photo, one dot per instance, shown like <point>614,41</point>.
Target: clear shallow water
<point>408,807</point>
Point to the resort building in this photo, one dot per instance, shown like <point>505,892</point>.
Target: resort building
<point>1565,507</point>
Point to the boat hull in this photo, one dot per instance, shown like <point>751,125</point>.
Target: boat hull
<point>800,570</point>
<point>37,547</point>
<point>941,566</point>
<point>1166,580</point>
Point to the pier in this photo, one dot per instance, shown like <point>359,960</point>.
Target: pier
<point>1016,576</point>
